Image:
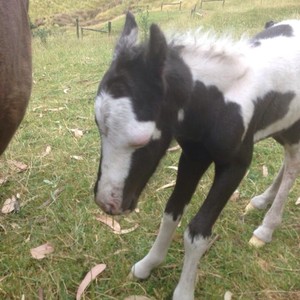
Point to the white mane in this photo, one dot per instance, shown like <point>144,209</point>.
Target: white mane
<point>212,60</point>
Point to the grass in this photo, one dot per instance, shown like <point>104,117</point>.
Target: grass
<point>66,76</point>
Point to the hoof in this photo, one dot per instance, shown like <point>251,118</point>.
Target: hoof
<point>249,208</point>
<point>256,242</point>
<point>131,277</point>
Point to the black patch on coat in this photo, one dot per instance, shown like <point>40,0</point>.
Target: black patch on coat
<point>290,135</point>
<point>273,107</point>
<point>271,31</point>
<point>269,24</point>
<point>274,31</point>
<point>212,122</point>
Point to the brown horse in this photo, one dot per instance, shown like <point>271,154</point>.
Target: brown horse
<point>15,67</point>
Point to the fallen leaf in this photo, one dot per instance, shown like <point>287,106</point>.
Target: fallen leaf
<point>76,157</point>
<point>172,183</point>
<point>110,222</point>
<point>89,277</point>
<point>47,151</point>
<point>41,294</point>
<point>114,225</point>
<point>77,133</point>
<point>175,148</point>
<point>228,295</point>
<point>265,171</point>
<point>17,164</point>
<point>66,90</point>
<point>40,252</point>
<point>135,297</point>
<point>10,205</point>
<point>297,201</point>
<point>235,196</point>
<point>124,231</point>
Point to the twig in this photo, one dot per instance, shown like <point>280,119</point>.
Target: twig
<point>212,241</point>
<point>53,197</point>
<point>41,294</point>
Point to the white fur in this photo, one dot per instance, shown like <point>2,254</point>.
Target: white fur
<point>244,73</point>
<point>273,217</point>
<point>121,132</point>
<point>126,41</point>
<point>158,252</point>
<point>180,115</point>
<point>156,134</point>
<point>194,249</point>
<point>262,201</point>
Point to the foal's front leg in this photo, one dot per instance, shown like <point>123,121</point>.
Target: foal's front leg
<point>189,173</point>
<point>196,237</point>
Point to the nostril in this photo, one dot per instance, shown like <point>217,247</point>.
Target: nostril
<point>112,206</point>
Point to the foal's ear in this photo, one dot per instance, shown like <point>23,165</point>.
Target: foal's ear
<point>157,49</point>
<point>129,34</point>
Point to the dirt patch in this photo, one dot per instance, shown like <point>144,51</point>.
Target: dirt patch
<point>85,17</point>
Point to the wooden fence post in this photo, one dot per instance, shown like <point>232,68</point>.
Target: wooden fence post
<point>109,27</point>
<point>77,27</point>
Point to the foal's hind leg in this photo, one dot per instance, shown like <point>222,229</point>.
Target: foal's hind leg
<point>263,200</point>
<point>263,234</point>
<point>189,173</point>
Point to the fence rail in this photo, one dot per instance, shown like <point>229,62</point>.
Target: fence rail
<point>169,4</point>
<point>202,1</point>
<point>80,29</point>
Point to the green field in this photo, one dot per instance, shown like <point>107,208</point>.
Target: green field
<point>66,74</point>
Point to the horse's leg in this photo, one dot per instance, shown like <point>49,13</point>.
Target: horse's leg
<point>189,173</point>
<point>262,201</point>
<point>196,237</point>
<point>263,234</point>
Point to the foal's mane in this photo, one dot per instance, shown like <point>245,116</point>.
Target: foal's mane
<point>219,61</point>
<point>209,45</point>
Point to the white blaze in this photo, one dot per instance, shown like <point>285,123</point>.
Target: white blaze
<point>121,135</point>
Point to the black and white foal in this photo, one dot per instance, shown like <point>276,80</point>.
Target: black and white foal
<point>216,98</point>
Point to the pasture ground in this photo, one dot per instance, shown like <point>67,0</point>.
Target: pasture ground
<point>66,76</point>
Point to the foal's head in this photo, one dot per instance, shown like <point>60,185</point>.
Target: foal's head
<point>128,109</point>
